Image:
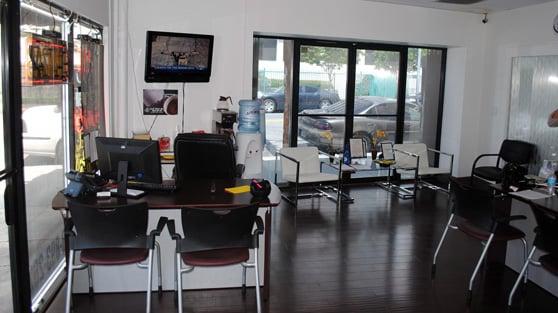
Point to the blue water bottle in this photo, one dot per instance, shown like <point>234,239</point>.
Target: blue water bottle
<point>347,155</point>
<point>551,183</point>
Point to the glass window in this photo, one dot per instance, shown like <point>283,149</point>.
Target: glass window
<point>422,100</point>
<point>268,49</point>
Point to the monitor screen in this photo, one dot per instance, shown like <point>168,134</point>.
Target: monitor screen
<point>144,163</point>
<point>178,57</point>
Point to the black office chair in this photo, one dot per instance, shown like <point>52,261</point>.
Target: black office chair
<point>115,235</point>
<point>208,156</point>
<point>480,215</point>
<point>546,240</point>
<point>217,238</point>
<point>511,151</point>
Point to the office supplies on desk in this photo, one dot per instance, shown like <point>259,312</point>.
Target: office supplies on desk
<point>531,194</point>
<point>239,189</point>
<point>260,188</point>
<point>130,193</point>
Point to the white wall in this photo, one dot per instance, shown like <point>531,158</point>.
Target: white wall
<point>97,10</point>
<point>233,22</point>
<point>521,32</point>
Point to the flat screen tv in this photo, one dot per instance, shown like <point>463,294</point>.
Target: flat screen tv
<point>178,57</point>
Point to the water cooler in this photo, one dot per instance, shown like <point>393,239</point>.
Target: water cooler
<point>249,139</point>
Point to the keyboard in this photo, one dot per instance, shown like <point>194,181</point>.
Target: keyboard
<point>168,186</point>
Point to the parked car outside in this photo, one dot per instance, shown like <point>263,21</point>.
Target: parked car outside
<point>310,97</point>
<point>42,132</point>
<point>327,132</point>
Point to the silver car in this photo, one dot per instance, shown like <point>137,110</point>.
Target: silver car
<point>327,132</point>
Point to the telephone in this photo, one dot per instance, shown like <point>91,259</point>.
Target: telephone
<point>82,184</point>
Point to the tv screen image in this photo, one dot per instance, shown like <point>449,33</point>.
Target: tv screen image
<point>176,57</point>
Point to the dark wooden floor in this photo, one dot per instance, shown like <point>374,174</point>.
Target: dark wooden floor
<point>370,256</point>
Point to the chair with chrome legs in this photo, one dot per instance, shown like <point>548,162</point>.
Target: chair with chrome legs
<point>302,165</point>
<point>115,235</point>
<point>217,238</point>
<point>546,241</point>
<point>480,215</point>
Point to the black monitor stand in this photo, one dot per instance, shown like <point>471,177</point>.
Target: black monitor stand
<point>122,180</point>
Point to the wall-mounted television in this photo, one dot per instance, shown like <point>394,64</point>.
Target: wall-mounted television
<point>178,57</point>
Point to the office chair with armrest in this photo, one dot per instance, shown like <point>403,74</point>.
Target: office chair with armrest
<point>217,238</point>
<point>413,158</point>
<point>546,241</point>
<point>112,236</point>
<point>205,156</point>
<point>479,215</point>
<point>511,151</point>
<point>302,165</point>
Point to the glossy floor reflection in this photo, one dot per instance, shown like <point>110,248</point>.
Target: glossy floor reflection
<point>370,256</point>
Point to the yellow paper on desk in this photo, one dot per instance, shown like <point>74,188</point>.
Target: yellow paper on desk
<point>239,189</point>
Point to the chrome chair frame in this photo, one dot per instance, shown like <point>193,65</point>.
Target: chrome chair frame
<point>486,245</point>
<point>320,192</point>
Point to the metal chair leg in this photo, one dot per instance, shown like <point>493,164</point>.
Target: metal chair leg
<point>523,271</point>
<point>440,244</point>
<point>257,268</point>
<point>159,276</point>
<point>70,281</point>
<point>243,280</point>
<point>179,281</point>
<point>525,257</point>
<point>90,277</point>
<point>149,279</point>
<point>477,267</point>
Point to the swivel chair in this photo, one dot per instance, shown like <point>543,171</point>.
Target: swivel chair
<point>511,151</point>
<point>209,156</point>
<point>479,215</point>
<point>114,235</point>
<point>217,238</point>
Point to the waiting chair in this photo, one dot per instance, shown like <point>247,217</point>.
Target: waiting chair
<point>302,165</point>
<point>546,241</point>
<point>112,236</point>
<point>217,238</point>
<point>479,215</point>
<point>413,158</point>
<point>208,156</point>
<point>511,151</point>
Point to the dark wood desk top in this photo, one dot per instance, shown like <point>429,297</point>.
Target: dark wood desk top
<point>549,204</point>
<point>195,193</point>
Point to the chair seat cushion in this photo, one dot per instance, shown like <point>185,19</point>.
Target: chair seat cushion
<point>113,256</point>
<point>217,257</point>
<point>312,178</point>
<point>503,232</point>
<point>489,173</point>
<point>550,263</point>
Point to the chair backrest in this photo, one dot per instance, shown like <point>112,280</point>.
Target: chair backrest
<point>406,161</point>
<point>547,231</point>
<point>476,205</point>
<point>209,156</point>
<point>516,151</point>
<point>309,160</point>
<point>209,229</point>
<point>122,226</point>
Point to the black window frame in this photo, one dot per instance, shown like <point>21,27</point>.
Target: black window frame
<point>352,48</point>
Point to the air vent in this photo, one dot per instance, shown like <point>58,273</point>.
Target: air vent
<point>460,1</point>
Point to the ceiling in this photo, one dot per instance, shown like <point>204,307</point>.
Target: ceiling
<point>489,6</point>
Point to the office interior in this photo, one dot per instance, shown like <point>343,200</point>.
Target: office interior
<point>464,78</point>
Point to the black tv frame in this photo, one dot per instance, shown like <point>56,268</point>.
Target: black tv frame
<point>199,77</point>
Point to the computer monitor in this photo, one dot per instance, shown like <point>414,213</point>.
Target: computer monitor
<point>121,159</point>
